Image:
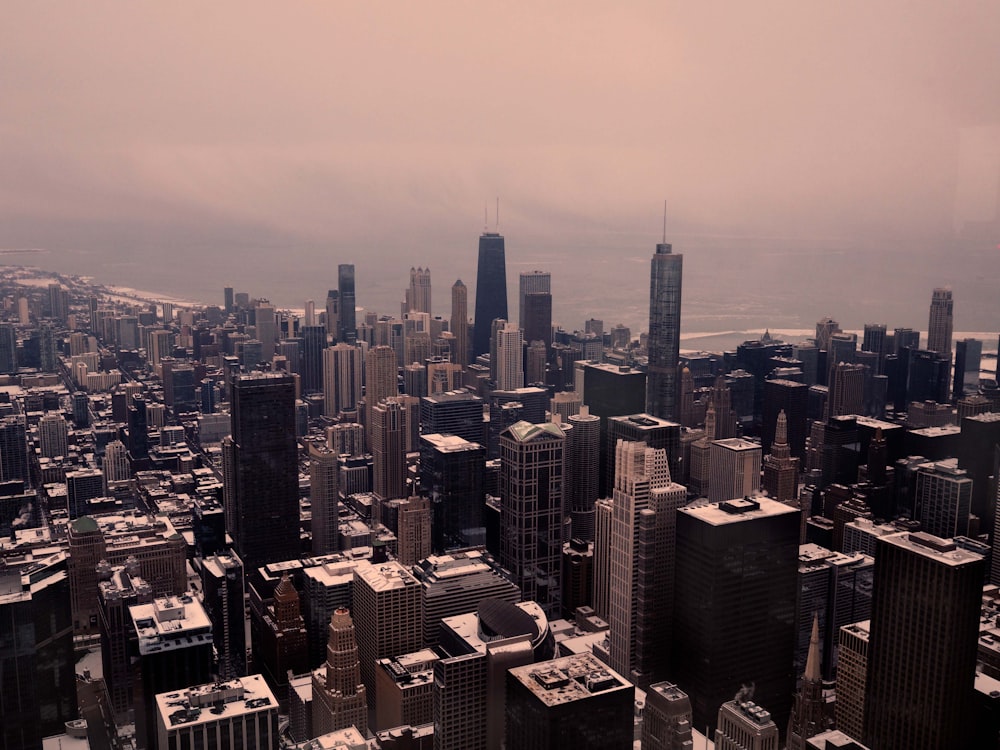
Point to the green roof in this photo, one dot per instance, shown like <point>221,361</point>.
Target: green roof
<point>84,525</point>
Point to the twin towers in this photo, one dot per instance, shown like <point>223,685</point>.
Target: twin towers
<point>663,381</point>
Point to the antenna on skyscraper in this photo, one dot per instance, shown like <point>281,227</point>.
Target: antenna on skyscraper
<point>498,213</point>
<point>664,222</point>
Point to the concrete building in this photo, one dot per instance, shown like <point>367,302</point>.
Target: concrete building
<point>734,469</point>
<point>339,697</point>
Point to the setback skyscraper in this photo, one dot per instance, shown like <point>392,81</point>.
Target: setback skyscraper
<point>460,323</point>
<point>940,322</point>
<point>664,333</point>
<point>491,290</point>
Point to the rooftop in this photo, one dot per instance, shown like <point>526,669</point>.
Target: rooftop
<point>569,678</point>
<point>385,577</point>
<point>170,623</point>
<point>734,511</point>
<point>942,550</point>
<point>220,701</point>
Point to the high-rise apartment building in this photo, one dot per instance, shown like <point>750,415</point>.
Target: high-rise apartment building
<point>638,544</point>
<point>264,475</point>
<point>939,324</point>
<point>381,378</point>
<point>418,294</point>
<point>342,378</point>
<point>582,474</point>
<point>662,396</point>
<point>734,606</point>
<point>491,290</point>
<point>531,511</point>
<point>460,323</point>
<point>531,282</point>
<point>53,435</point>
<point>510,358</point>
<point>926,604</point>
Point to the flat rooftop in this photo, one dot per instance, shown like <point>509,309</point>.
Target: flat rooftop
<point>941,550</point>
<point>215,702</point>
<point>570,678</point>
<point>735,511</point>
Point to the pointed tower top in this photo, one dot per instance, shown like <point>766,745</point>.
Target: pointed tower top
<point>781,430</point>
<point>812,672</point>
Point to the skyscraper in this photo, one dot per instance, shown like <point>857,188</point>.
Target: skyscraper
<point>418,296</point>
<point>264,472</point>
<point>662,398</point>
<point>926,602</point>
<point>342,378</point>
<point>510,358</point>
<point>339,699</point>
<point>639,547</point>
<point>531,282</point>
<point>940,322</point>
<point>348,329</point>
<point>537,321</point>
<point>491,290</point>
<point>781,470</point>
<point>381,378</point>
<point>324,468</point>
<point>389,422</point>
<point>531,511</point>
<point>734,606</point>
<point>734,469</point>
<point>460,323</point>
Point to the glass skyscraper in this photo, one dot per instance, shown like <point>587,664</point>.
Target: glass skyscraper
<point>345,285</point>
<point>491,290</point>
<point>664,332</point>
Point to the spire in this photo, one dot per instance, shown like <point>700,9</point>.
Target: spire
<point>710,421</point>
<point>781,431</point>
<point>812,672</point>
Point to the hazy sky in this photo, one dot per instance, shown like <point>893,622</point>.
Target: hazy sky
<point>293,136</point>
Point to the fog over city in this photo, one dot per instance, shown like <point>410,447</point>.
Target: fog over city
<point>816,159</point>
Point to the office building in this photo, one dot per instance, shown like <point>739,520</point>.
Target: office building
<point>781,470</point>
<point>644,428</point>
<point>222,584</point>
<point>734,610</point>
<point>920,578</point>
<point>847,389</point>
<point>389,424</point>
<point>387,616</point>
<point>469,690</point>
<point>172,649</point>
<point>239,714</point>
<point>533,282</point>
<point>666,719</point>
<point>637,544</point>
<point>531,511</point>
<point>339,697</point>
<point>943,499</point>
<point>37,662</point>
<point>8,348</point>
<point>939,323</point>
<point>491,290</point>
<point>342,379</point>
<point>279,635</point>
<point>53,436</point>
<point>451,476</point>
<point>263,477</point>
<point>324,471</point>
<point>82,486</point>
<point>968,360</point>
<point>734,468</point>
<point>13,450</point>
<point>664,333</point>
<point>574,701</point>
<point>119,588</point>
<point>852,677</point>
<point>347,329</point>
<point>457,413</point>
<point>744,725</point>
<point>537,321</point>
<point>313,345</point>
<point>460,323</point>
<point>792,398</point>
<point>413,530</point>
<point>455,584</point>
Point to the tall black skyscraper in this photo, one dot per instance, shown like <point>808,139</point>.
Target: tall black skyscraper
<point>264,470</point>
<point>664,333</point>
<point>313,344</point>
<point>345,285</point>
<point>926,603</point>
<point>491,290</point>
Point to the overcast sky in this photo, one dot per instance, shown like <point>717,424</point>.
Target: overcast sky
<point>380,129</point>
